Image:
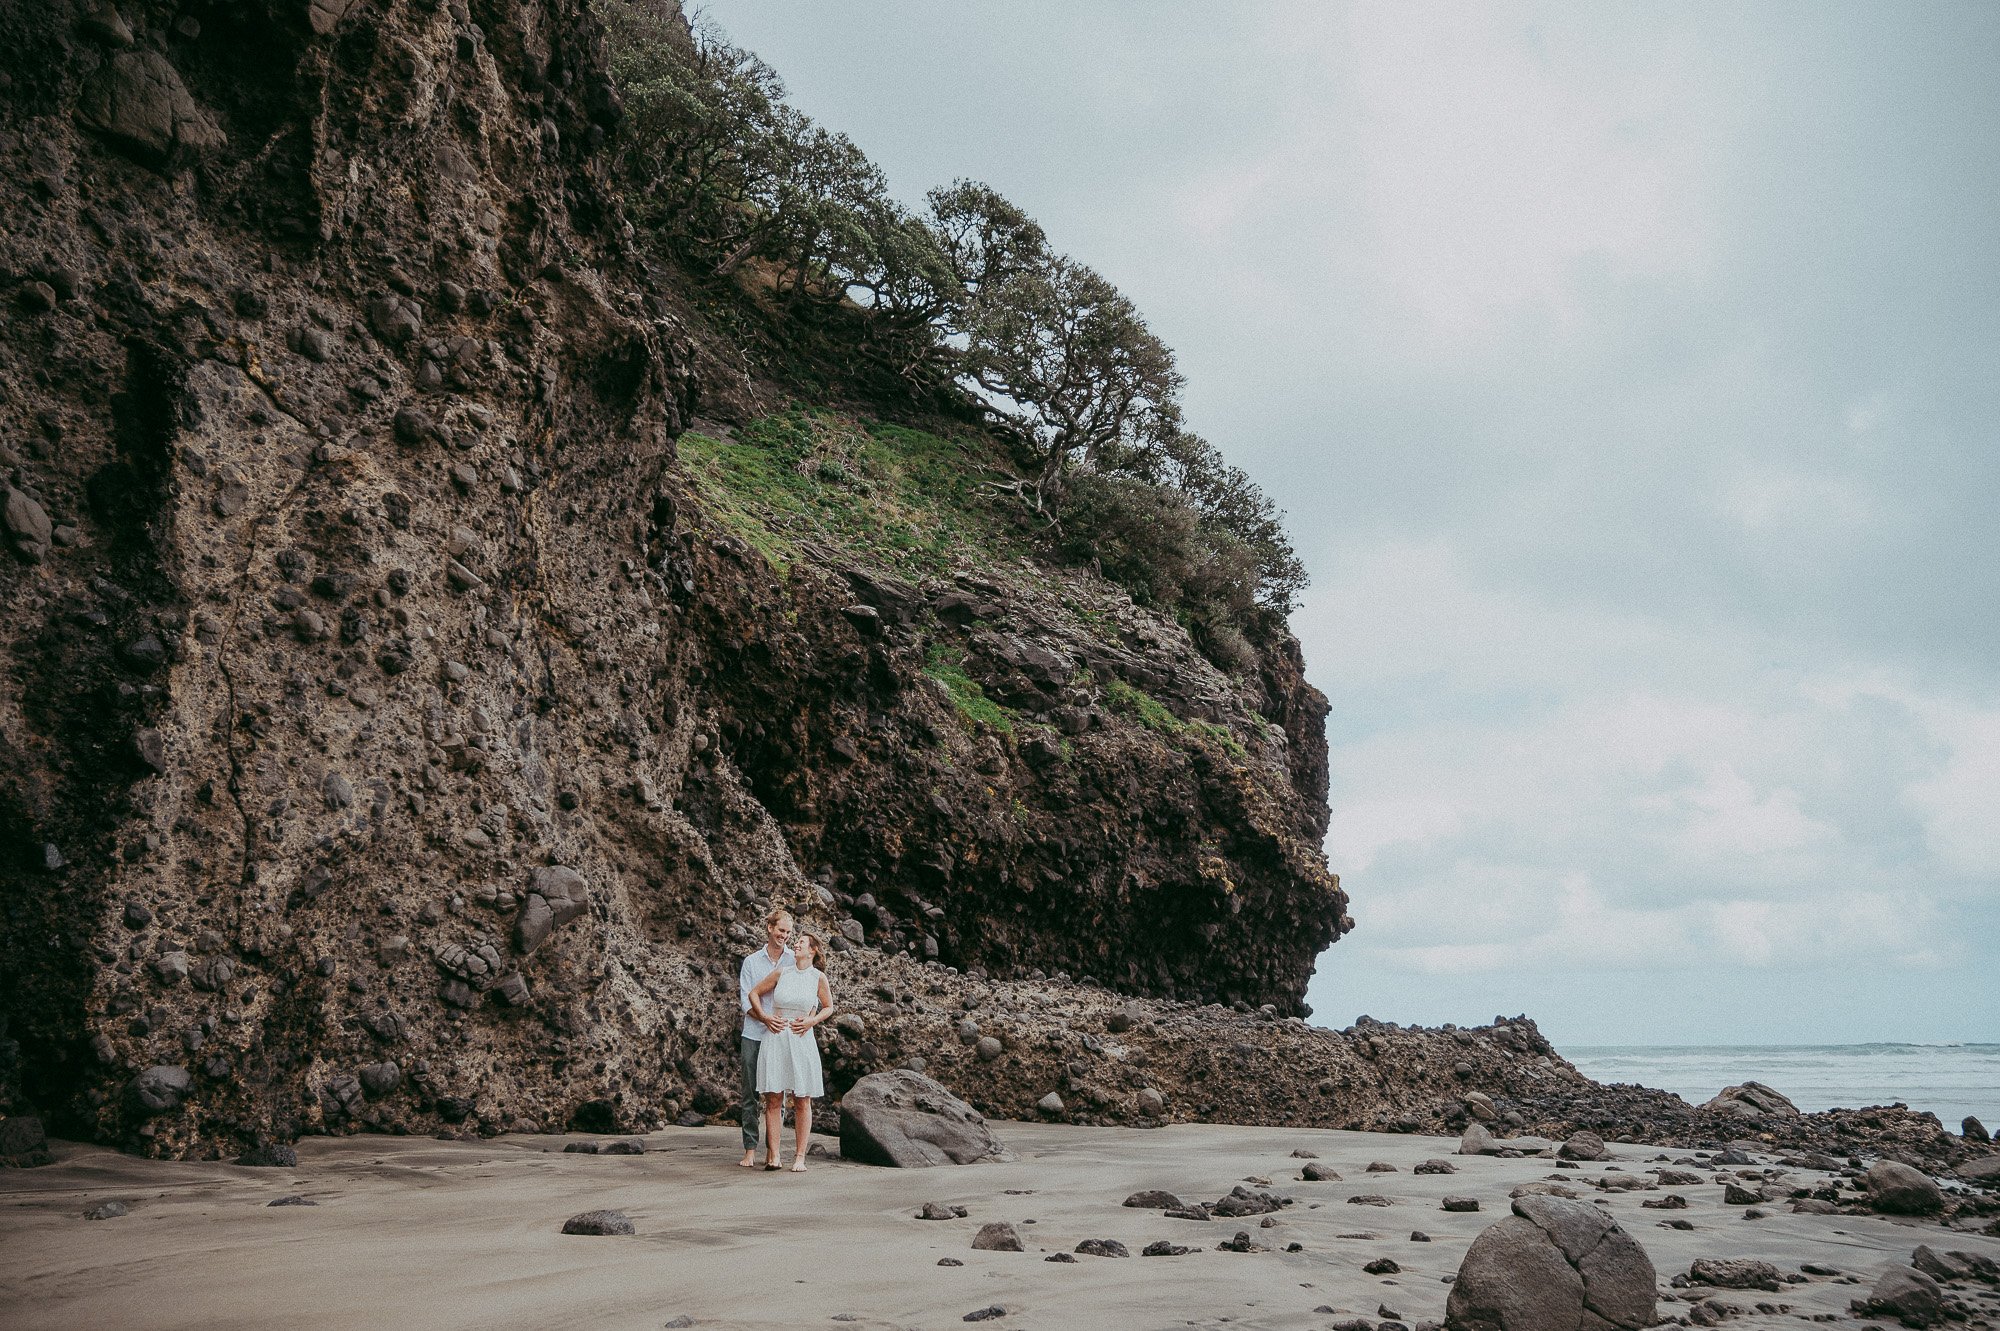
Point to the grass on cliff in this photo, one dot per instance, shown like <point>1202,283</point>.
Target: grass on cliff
<point>904,496</point>
<point>1153,714</point>
<point>966,695</point>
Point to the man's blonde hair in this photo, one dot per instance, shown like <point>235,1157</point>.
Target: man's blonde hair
<point>776,913</point>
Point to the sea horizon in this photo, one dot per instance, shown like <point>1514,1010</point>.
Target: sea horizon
<point>1952,1079</point>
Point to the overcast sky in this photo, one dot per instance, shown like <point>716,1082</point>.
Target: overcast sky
<point>1631,376</point>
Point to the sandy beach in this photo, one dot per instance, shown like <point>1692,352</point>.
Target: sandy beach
<point>423,1233</point>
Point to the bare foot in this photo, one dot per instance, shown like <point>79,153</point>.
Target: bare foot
<point>772,1164</point>
<point>749,1160</point>
<point>798,1166</point>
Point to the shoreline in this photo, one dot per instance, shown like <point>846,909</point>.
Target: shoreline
<point>467,1233</point>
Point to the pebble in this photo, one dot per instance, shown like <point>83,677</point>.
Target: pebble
<point>107,1211</point>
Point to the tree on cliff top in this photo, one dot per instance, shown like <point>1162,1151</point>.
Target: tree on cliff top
<point>1063,359</point>
<point>739,185</point>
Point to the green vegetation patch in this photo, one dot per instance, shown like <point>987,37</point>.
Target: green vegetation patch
<point>966,695</point>
<point>901,496</point>
<point>1153,714</point>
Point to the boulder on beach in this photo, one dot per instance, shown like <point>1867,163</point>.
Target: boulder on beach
<point>1897,1189</point>
<point>1753,1099</point>
<point>1907,1294</point>
<point>24,1142</point>
<point>1955,1265</point>
<point>1584,1146</point>
<point>1476,1141</point>
<point>905,1120</point>
<point>1552,1264</point>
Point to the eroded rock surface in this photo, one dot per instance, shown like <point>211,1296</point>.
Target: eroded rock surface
<point>1554,1265</point>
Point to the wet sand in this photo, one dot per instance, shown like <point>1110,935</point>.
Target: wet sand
<point>410,1232</point>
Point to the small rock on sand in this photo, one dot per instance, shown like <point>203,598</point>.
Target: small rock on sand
<point>1103,1248</point>
<point>107,1211</point>
<point>599,1222</point>
<point>1461,1204</point>
<point>1318,1173</point>
<point>293,1200</point>
<point>1162,1248</point>
<point>997,1236</point>
<point>1152,1199</point>
<point>985,1314</point>
<point>1734,1273</point>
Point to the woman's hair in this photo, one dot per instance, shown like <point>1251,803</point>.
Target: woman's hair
<point>818,946</point>
<point>776,913</point>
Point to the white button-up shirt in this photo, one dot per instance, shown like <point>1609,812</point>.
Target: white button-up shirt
<point>755,967</point>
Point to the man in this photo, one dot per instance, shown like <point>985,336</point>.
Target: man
<point>774,953</point>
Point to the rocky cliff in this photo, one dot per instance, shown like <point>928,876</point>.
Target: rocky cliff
<point>430,648</point>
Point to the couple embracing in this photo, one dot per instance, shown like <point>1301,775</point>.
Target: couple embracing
<point>783,994</point>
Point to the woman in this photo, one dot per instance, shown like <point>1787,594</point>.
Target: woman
<point>788,1064</point>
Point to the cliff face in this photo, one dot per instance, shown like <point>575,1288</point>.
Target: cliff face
<point>408,716</point>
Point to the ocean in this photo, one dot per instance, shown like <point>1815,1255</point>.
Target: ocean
<point>1949,1080</point>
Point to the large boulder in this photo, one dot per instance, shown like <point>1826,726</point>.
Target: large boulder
<point>1906,1294</point>
<point>905,1120</point>
<point>1476,1141</point>
<point>1753,1099</point>
<point>138,102</point>
<point>24,1143</point>
<point>1554,1265</point>
<point>1897,1189</point>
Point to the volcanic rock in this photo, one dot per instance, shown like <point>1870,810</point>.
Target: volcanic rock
<point>906,1120</point>
<point>1897,1189</point>
<point>1548,1266</point>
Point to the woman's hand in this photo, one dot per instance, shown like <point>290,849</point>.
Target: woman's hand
<point>801,1025</point>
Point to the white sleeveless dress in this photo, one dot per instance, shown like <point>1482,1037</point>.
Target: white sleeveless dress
<point>787,1061</point>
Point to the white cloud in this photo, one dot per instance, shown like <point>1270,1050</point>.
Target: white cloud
<point>1727,817</point>
<point>1960,805</point>
<point>1539,806</point>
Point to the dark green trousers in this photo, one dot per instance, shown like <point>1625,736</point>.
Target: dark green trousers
<point>753,1103</point>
